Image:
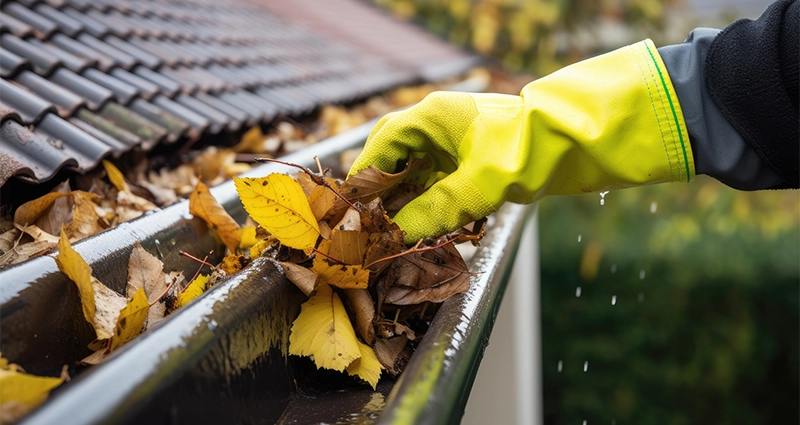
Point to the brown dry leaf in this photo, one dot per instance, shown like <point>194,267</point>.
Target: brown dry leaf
<point>305,279</point>
<point>360,304</point>
<point>348,246</point>
<point>405,193</point>
<point>379,246</point>
<point>252,141</point>
<point>145,271</point>
<point>202,204</point>
<point>210,163</point>
<point>38,234</point>
<point>351,220</point>
<point>375,220</point>
<point>325,230</point>
<point>389,353</point>
<point>30,211</point>
<point>321,199</point>
<point>427,276</point>
<point>86,221</point>
<point>162,196</point>
<point>9,239</point>
<point>25,252</point>
<point>400,329</point>
<point>340,275</point>
<point>181,180</point>
<point>130,206</point>
<point>95,358</point>
<point>371,183</point>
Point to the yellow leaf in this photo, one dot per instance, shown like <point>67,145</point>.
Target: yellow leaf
<point>202,204</point>
<point>248,237</point>
<point>340,275</point>
<point>131,319</point>
<point>115,176</point>
<point>368,367</point>
<point>258,249</point>
<point>72,264</point>
<point>101,306</point>
<point>28,212</point>
<point>29,390</point>
<point>232,263</point>
<point>85,219</point>
<point>252,141</point>
<point>194,290</point>
<point>323,330</point>
<point>278,204</point>
<point>321,199</point>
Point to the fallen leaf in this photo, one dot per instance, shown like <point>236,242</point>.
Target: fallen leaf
<point>38,234</point>
<point>28,212</point>
<point>232,263</point>
<point>277,203</point>
<point>323,331</point>
<point>366,367</point>
<point>115,176</point>
<point>321,200</point>
<point>162,196</point>
<point>348,246</point>
<point>130,206</point>
<point>131,320</point>
<point>9,239</point>
<point>145,271</point>
<point>95,358</point>
<point>351,220</point>
<point>405,193</point>
<point>101,306</point>
<point>210,163</point>
<point>360,304</point>
<point>85,218</point>
<point>21,392</point>
<point>248,237</point>
<point>340,275</point>
<point>202,204</point>
<point>252,141</point>
<point>25,252</point>
<point>305,279</point>
<point>388,352</point>
<point>194,290</point>
<point>375,220</point>
<point>427,276</point>
<point>371,183</point>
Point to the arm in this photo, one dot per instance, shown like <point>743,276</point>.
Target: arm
<point>623,119</point>
<point>738,90</point>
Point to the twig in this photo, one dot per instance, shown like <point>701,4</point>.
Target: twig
<point>319,166</point>
<point>186,254</point>
<point>326,255</point>
<point>202,262</point>
<point>315,178</point>
<point>413,250</point>
<point>163,293</point>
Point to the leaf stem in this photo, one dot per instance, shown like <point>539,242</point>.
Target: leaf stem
<point>326,255</point>
<point>412,250</point>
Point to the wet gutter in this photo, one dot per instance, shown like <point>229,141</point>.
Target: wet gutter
<point>223,357</point>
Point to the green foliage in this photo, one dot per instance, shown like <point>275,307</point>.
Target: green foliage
<point>715,336</point>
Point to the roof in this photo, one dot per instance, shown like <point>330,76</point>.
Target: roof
<point>83,80</point>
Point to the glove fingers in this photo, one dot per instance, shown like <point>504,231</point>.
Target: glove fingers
<point>375,152</point>
<point>447,205</point>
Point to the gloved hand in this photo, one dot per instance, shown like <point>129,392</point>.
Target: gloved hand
<point>608,122</point>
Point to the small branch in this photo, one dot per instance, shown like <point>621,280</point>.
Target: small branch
<point>413,250</point>
<point>163,293</point>
<point>326,255</point>
<point>319,166</point>
<point>186,254</point>
<point>202,262</point>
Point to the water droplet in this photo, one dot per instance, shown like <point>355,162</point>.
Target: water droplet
<point>560,365</point>
<point>584,422</point>
<point>653,207</point>
<point>586,365</point>
<point>641,274</point>
<point>613,422</point>
<point>47,356</point>
<point>35,336</point>
<point>613,268</point>
<point>613,300</point>
<point>641,297</point>
<point>579,238</point>
<point>603,197</point>
<point>578,292</point>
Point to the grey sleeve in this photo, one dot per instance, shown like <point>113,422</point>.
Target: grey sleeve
<point>719,151</point>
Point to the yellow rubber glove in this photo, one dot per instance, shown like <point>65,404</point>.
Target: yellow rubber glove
<point>609,122</point>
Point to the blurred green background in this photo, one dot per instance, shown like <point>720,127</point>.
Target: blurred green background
<point>706,324</point>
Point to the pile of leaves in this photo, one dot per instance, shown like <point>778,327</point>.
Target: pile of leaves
<point>370,297</point>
